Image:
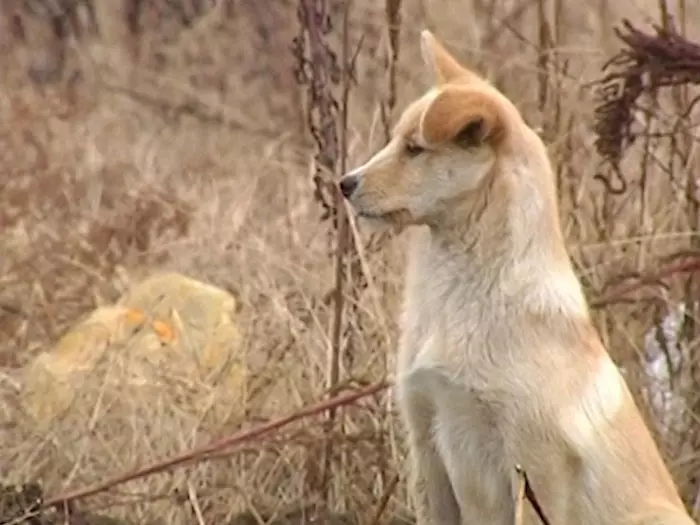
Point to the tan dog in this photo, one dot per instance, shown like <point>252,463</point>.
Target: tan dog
<point>499,363</point>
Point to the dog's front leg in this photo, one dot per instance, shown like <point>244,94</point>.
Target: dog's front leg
<point>434,498</point>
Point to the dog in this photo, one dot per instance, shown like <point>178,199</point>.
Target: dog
<point>499,363</point>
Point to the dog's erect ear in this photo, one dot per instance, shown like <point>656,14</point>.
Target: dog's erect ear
<point>463,116</point>
<point>443,66</point>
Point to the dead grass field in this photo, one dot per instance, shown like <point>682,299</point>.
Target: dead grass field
<point>197,159</point>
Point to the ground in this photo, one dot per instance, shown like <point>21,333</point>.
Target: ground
<point>196,158</point>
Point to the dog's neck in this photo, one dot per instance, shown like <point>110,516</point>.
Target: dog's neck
<point>503,245</point>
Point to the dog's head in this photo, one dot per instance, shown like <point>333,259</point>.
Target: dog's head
<point>444,146</point>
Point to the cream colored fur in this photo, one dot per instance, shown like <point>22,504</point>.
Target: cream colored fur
<point>499,363</point>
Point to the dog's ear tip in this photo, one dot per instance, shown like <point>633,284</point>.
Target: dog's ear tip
<point>442,64</point>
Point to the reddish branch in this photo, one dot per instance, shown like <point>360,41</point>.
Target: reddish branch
<point>203,453</point>
<point>619,293</point>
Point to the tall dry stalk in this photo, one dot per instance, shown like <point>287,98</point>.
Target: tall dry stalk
<point>393,28</point>
<point>392,10</point>
<point>544,45</point>
<point>327,115</point>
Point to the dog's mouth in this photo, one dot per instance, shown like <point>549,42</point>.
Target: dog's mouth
<point>395,219</point>
<point>373,215</point>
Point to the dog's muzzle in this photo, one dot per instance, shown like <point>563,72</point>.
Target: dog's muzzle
<point>348,184</point>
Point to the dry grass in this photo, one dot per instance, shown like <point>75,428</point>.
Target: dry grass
<point>198,160</point>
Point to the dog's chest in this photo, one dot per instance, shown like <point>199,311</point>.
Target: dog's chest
<point>452,325</point>
<point>470,439</point>
<point>469,400</point>
<point>453,351</point>
<point>467,431</point>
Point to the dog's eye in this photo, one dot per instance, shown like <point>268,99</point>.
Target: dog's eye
<point>413,149</point>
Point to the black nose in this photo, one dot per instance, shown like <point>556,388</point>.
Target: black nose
<point>348,184</point>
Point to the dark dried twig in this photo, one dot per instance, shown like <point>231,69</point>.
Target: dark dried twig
<point>392,10</point>
<point>317,68</point>
<point>648,63</point>
<point>384,500</point>
<point>13,310</point>
<point>525,489</point>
